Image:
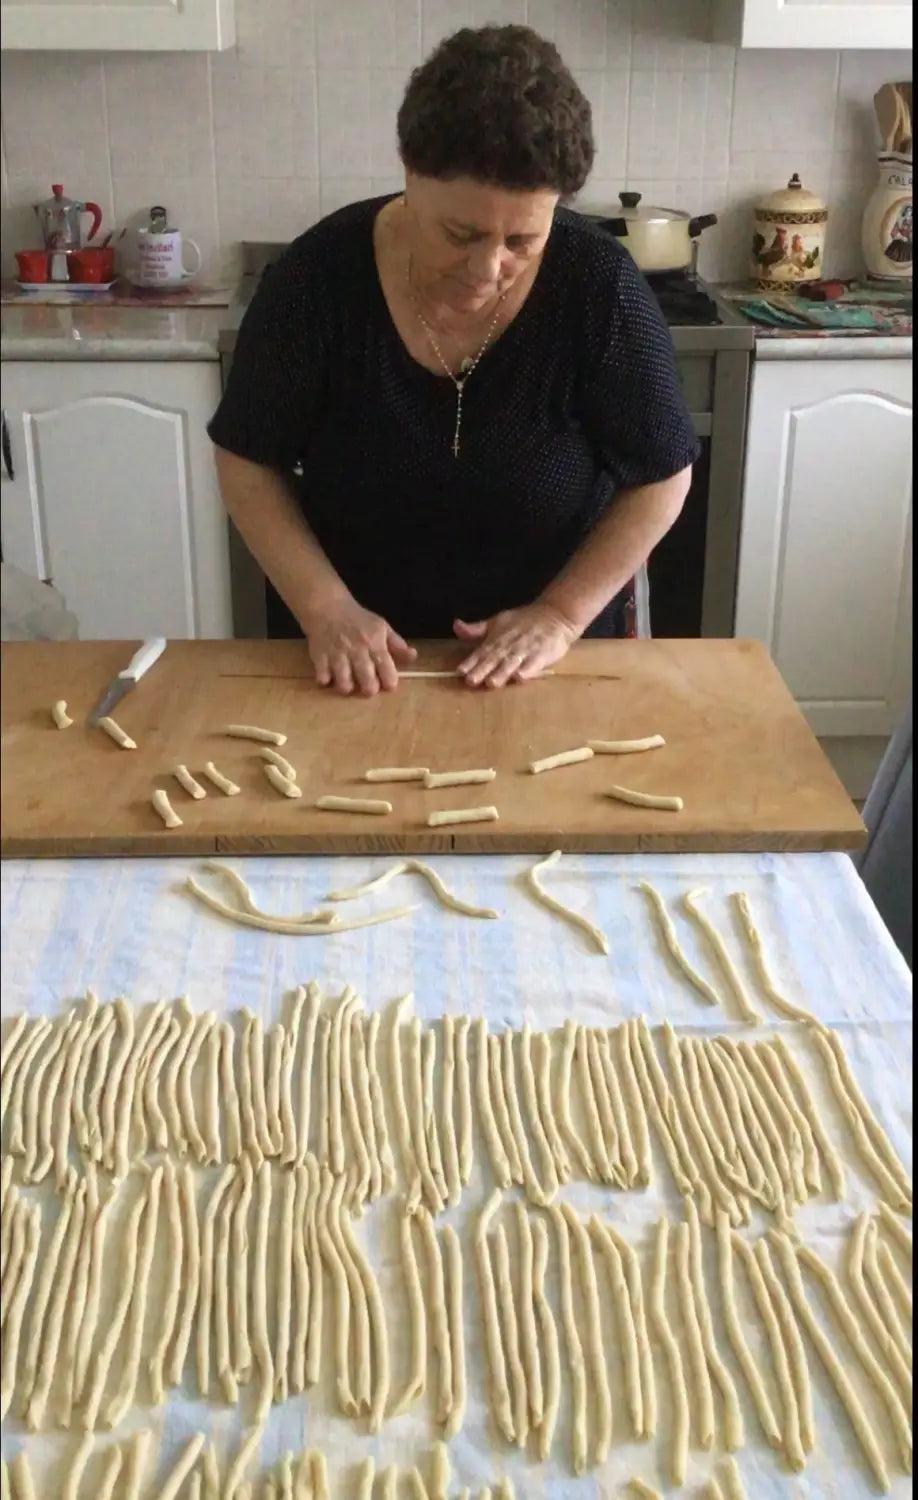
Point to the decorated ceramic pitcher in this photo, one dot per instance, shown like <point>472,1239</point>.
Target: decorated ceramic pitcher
<point>886,232</point>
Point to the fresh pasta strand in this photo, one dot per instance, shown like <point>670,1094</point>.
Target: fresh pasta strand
<point>594,933</point>
<point>719,948</point>
<point>671,943</point>
<point>417,867</point>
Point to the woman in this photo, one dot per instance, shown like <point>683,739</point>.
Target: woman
<point>456,411</point>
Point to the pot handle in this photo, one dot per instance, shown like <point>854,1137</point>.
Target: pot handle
<point>704,221</point>
<point>96,212</point>
<point>618,227</point>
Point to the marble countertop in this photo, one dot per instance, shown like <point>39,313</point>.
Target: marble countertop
<point>48,332</point>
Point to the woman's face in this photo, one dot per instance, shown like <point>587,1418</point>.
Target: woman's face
<point>471,242</point>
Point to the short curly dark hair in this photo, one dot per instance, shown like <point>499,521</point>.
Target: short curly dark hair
<point>499,105</point>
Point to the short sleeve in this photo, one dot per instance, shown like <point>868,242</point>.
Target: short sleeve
<point>634,410</point>
<point>278,370</point>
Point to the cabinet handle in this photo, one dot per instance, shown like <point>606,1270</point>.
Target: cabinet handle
<point>7,449</point>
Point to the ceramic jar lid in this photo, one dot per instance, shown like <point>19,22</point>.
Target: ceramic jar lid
<point>792,205</point>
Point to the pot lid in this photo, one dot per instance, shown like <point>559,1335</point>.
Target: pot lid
<point>794,199</point>
<point>646,213</point>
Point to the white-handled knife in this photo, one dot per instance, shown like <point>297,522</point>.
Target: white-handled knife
<point>140,662</point>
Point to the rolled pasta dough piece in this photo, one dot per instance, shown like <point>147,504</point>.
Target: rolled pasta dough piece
<point>187,782</point>
<point>354,805</point>
<point>253,732</point>
<point>60,715</point>
<point>644,799</point>
<point>281,783</point>
<point>463,815</point>
<point>221,782</point>
<point>165,809</point>
<point>396,773</point>
<point>435,779</point>
<point>116,733</point>
<point>275,758</point>
<point>626,747</point>
<point>565,758</point>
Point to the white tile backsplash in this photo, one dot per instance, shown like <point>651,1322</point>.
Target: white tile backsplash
<point>299,118</point>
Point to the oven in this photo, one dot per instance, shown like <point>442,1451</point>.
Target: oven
<point>688,588</point>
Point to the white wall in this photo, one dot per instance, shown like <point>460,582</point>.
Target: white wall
<point>258,142</point>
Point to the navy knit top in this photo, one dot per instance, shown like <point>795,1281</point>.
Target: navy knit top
<point>577,399</point>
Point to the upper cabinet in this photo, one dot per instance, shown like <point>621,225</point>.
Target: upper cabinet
<point>129,26</point>
<point>825,24</point>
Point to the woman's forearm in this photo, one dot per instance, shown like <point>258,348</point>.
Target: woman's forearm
<point>278,536</point>
<point>622,539</point>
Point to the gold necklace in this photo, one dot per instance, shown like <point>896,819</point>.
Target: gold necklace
<point>467,365</point>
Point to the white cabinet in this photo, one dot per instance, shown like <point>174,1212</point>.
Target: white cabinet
<point>825,574</point>
<point>825,24</point>
<point>128,26</point>
<point>114,496</point>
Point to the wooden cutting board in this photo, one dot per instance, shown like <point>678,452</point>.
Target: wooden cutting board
<point>738,751</point>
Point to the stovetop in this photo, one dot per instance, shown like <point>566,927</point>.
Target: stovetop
<point>698,319</point>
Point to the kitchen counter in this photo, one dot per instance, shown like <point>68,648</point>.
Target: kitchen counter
<point>116,333</point>
<point>832,346</point>
<point>867,322</point>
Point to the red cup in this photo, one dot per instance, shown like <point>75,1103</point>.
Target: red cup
<point>92,264</point>
<point>33,265</point>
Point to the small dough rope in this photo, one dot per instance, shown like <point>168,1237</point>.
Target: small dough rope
<point>51,1333</point>
<point>594,933</point>
<point>626,747</point>
<point>283,1288</point>
<point>565,758</point>
<point>512,1347</point>
<point>205,1310</point>
<point>849,1398</point>
<point>281,783</point>
<point>500,1163</point>
<point>531,1101</point>
<point>396,773</point>
<point>417,1378</point>
<point>796,1354</point>
<point>100,1368</point>
<point>416,867</point>
<point>565,1122</point>
<point>253,732</point>
<point>808,1108</point>
<point>354,805</point>
<point>450,1147</point>
<point>285,926</point>
<point>221,782</point>
<point>718,947</point>
<point>439,1316</point>
<point>464,1100</point>
<point>358,1304</point>
<point>763,974</point>
<point>574,1346</point>
<point>313,1002</point>
<point>188,783</point>
<point>734,1434</point>
<point>533,1187</point>
<point>317,1295</point>
<point>452,1256</point>
<point>463,815</point>
<point>173,1286</point>
<point>402,1117</point>
<point>744,1356</point>
<point>261,1344</point>
<point>607,1126</point>
<point>873,1143</point>
<point>644,799</point>
<point>551,1392</point>
<point>619,1112</point>
<point>435,779</point>
<point>239,1273</point>
<point>15,1308</point>
<point>342,1295</point>
<point>124,1394</point>
<point>45,1287</point>
<point>671,942</point>
<point>116,733</point>
<point>274,758</point>
<point>529,1337</point>
<point>599,1375</point>
<point>627,1334</point>
<point>501,1406</point>
<point>380,1338</point>
<point>541,1046</point>
<point>660,1323</point>
<point>698,1366</point>
<point>591,1108</point>
<point>59,714</point>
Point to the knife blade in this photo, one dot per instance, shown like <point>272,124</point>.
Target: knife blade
<point>141,662</point>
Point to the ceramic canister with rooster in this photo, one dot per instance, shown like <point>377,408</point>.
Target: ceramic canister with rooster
<point>789,238</point>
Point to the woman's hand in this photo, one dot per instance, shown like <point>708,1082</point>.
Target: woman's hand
<point>351,648</point>
<point>515,645</point>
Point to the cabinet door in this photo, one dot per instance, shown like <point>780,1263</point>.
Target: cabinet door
<point>114,496</point>
<point>129,26</point>
<point>817,23</point>
<point>825,544</point>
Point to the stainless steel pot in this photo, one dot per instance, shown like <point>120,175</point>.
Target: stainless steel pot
<point>658,239</point>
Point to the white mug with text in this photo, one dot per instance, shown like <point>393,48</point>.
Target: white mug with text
<point>160,259</point>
